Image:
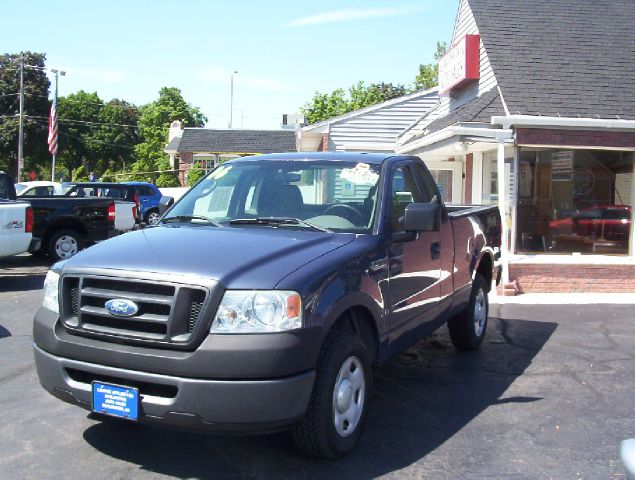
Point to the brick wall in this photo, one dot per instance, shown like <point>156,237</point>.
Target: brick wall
<point>546,278</point>
<point>575,138</point>
<point>185,163</point>
<point>324,144</point>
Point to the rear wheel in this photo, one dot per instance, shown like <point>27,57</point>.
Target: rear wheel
<point>337,411</point>
<point>468,328</point>
<point>64,244</point>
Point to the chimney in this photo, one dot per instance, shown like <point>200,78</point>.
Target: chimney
<point>176,130</point>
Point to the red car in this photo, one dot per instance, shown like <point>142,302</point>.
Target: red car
<point>609,222</point>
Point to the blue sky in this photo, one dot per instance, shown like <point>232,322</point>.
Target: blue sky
<point>284,51</point>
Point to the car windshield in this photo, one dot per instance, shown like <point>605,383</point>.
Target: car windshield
<point>338,196</point>
<point>19,187</point>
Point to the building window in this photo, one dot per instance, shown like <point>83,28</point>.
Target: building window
<point>574,201</point>
<point>490,175</point>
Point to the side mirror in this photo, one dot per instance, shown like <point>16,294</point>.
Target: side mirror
<point>422,217</point>
<point>165,203</point>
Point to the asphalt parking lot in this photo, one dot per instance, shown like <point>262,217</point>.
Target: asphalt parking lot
<point>550,395</point>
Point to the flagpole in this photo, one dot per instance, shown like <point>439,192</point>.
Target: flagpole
<point>56,72</point>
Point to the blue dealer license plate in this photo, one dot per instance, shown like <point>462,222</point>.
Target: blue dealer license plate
<point>116,401</point>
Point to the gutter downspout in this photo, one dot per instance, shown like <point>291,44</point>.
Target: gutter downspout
<point>632,239</point>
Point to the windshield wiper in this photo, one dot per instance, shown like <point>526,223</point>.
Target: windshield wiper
<point>278,221</point>
<point>185,218</point>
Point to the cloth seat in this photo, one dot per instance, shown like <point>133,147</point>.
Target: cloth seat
<point>280,200</point>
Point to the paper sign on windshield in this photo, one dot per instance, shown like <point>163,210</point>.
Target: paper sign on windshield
<point>360,175</point>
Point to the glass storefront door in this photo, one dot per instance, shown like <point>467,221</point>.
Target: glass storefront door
<point>574,201</point>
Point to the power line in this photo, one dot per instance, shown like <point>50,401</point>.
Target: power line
<point>66,99</point>
<point>45,127</point>
<point>85,122</point>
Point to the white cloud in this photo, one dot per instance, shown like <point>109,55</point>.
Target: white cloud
<point>223,75</point>
<point>355,14</point>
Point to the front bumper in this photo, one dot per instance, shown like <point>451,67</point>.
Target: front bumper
<point>193,404</point>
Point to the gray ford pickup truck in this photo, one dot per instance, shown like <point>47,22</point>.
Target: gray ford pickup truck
<point>265,296</point>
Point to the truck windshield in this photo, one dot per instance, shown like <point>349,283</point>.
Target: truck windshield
<point>338,196</point>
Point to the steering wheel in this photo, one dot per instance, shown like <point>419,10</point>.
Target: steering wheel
<point>348,212</point>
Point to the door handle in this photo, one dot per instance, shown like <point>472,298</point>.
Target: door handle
<point>435,250</point>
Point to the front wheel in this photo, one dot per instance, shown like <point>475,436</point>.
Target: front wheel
<point>468,328</point>
<point>336,414</point>
<point>64,244</point>
<point>152,217</point>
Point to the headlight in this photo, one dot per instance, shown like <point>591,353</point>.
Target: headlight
<point>51,289</point>
<point>258,311</point>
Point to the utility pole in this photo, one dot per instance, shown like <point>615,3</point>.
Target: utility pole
<point>21,126</point>
<point>231,100</point>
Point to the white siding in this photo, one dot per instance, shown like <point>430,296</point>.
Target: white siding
<point>465,24</point>
<point>378,129</point>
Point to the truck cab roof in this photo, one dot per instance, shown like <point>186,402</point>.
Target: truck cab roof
<point>362,157</point>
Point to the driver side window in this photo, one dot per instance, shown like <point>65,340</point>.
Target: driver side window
<point>403,192</point>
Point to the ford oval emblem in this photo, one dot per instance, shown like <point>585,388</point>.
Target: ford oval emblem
<point>120,307</point>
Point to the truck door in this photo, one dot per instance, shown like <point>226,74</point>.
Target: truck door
<point>414,264</point>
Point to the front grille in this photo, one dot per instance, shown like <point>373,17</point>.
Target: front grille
<point>167,312</point>
<point>196,306</point>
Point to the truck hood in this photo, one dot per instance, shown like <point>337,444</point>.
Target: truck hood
<point>237,257</point>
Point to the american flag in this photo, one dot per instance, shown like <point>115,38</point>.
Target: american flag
<point>52,140</point>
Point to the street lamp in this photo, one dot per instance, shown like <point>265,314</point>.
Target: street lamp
<point>57,74</point>
<point>231,100</point>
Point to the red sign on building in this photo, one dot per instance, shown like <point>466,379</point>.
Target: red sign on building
<point>460,65</point>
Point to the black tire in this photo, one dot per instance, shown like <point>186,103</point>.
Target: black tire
<point>316,434</point>
<point>64,244</point>
<point>468,328</point>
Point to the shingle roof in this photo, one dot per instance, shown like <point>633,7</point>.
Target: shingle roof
<point>237,141</point>
<point>173,146</point>
<point>481,109</point>
<point>561,57</point>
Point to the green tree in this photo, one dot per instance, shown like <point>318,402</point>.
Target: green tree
<point>364,96</point>
<point>101,136</point>
<point>154,123</point>
<point>195,173</point>
<point>116,138</point>
<point>78,115</point>
<point>36,111</point>
<point>326,105</point>
<point>428,75</point>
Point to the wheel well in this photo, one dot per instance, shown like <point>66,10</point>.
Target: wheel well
<point>360,321</point>
<point>485,269</point>
<point>78,227</point>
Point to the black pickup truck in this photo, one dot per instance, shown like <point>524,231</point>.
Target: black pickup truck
<point>265,296</point>
<point>68,224</point>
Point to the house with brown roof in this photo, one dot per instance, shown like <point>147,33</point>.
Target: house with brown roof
<point>206,147</point>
